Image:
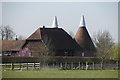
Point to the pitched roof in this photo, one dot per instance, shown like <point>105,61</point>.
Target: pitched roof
<point>11,45</point>
<point>60,38</point>
<point>18,45</point>
<point>35,36</point>
<point>7,44</point>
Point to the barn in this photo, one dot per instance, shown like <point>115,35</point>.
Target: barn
<point>52,41</point>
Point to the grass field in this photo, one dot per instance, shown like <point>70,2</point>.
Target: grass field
<point>56,73</point>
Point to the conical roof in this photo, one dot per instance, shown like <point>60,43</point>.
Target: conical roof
<point>83,38</point>
<point>55,23</point>
<point>82,22</point>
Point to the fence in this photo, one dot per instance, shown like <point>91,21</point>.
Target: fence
<point>69,63</point>
<point>65,66</point>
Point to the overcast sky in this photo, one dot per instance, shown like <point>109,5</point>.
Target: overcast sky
<point>26,17</point>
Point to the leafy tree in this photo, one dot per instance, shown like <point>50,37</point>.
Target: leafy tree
<point>113,52</point>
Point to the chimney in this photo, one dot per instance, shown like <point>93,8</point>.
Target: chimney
<point>16,38</point>
<point>43,26</point>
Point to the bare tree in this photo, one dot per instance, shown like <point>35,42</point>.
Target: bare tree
<point>48,49</point>
<point>6,33</point>
<point>48,45</point>
<point>103,42</point>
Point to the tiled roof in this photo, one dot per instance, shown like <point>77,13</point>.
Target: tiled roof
<point>7,44</point>
<point>83,38</point>
<point>59,38</point>
<point>11,45</point>
<point>18,45</point>
<point>35,36</point>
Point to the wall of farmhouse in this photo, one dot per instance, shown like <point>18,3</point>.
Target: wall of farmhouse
<point>24,52</point>
<point>85,53</point>
<point>78,53</point>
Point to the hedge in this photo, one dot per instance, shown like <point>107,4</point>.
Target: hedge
<point>50,59</point>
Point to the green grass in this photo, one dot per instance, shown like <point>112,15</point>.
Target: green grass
<point>56,73</point>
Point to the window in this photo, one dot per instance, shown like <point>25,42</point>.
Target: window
<point>83,54</point>
<point>29,54</point>
<point>66,53</point>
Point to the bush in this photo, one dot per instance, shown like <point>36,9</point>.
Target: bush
<point>59,59</point>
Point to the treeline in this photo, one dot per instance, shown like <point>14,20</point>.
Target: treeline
<point>7,33</point>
